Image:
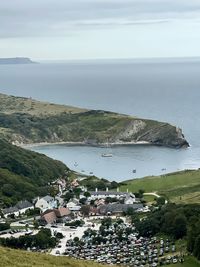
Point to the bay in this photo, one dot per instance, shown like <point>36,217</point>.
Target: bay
<point>166,90</point>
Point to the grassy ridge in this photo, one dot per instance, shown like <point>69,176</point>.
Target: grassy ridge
<point>16,258</point>
<point>13,104</point>
<point>180,187</point>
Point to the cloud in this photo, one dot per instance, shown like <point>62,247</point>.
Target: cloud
<point>44,18</point>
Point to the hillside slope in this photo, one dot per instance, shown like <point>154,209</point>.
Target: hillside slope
<point>25,174</point>
<point>23,120</point>
<point>19,258</point>
<point>180,187</point>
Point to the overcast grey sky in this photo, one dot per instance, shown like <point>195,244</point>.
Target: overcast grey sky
<point>89,29</point>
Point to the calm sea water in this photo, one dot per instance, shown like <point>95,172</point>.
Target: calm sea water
<point>166,90</point>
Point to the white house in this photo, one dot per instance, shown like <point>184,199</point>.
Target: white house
<point>20,208</point>
<point>130,198</point>
<point>46,203</point>
<point>73,205</point>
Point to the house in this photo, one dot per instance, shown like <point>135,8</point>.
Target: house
<point>20,208</point>
<point>62,212</point>
<point>130,199</point>
<point>24,205</point>
<point>10,211</point>
<point>51,216</point>
<point>48,217</point>
<point>94,195</point>
<point>117,209</point>
<point>73,205</point>
<point>46,203</point>
<point>60,201</point>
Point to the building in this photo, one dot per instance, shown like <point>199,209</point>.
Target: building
<point>20,208</point>
<point>48,217</point>
<point>111,194</point>
<point>118,209</point>
<point>62,212</point>
<point>73,205</point>
<point>46,203</point>
<point>51,216</point>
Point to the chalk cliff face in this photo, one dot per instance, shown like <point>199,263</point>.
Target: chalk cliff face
<point>152,132</point>
<point>24,120</point>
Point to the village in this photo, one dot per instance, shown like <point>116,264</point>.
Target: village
<point>93,225</point>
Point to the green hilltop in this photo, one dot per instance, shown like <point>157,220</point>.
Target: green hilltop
<point>24,120</point>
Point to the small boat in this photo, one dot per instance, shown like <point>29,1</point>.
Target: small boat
<point>91,172</point>
<point>107,155</point>
<point>163,169</point>
<point>134,170</point>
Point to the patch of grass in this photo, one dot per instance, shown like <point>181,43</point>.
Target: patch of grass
<point>149,199</point>
<point>18,258</point>
<point>12,104</point>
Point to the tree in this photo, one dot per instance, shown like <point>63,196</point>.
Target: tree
<point>68,196</point>
<point>77,191</point>
<point>197,247</point>
<point>180,226</point>
<point>83,200</point>
<point>87,194</point>
<point>160,201</point>
<point>85,210</point>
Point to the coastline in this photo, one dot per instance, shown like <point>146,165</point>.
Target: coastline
<point>132,143</point>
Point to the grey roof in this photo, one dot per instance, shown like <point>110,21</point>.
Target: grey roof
<point>48,198</point>
<point>107,193</point>
<point>115,208</point>
<point>23,204</point>
<point>10,210</point>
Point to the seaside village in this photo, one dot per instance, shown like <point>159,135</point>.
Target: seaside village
<point>88,225</point>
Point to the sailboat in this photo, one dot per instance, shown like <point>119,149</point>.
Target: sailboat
<point>107,155</point>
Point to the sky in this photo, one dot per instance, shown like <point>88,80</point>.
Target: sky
<point>99,29</point>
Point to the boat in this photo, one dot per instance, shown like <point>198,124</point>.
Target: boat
<point>106,155</point>
<point>134,170</point>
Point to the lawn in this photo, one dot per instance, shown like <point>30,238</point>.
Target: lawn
<point>180,187</point>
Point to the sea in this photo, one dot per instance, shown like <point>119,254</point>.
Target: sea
<point>161,89</point>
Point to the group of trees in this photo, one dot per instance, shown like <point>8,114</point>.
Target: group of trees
<point>42,240</point>
<point>177,221</point>
<point>25,174</point>
<point>193,244</point>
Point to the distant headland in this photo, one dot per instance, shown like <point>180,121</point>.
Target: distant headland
<point>27,121</point>
<point>16,60</point>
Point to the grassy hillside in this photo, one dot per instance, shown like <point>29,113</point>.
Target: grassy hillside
<point>24,120</point>
<point>25,174</point>
<point>16,258</point>
<point>181,187</point>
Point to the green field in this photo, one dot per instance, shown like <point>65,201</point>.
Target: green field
<point>181,187</point>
